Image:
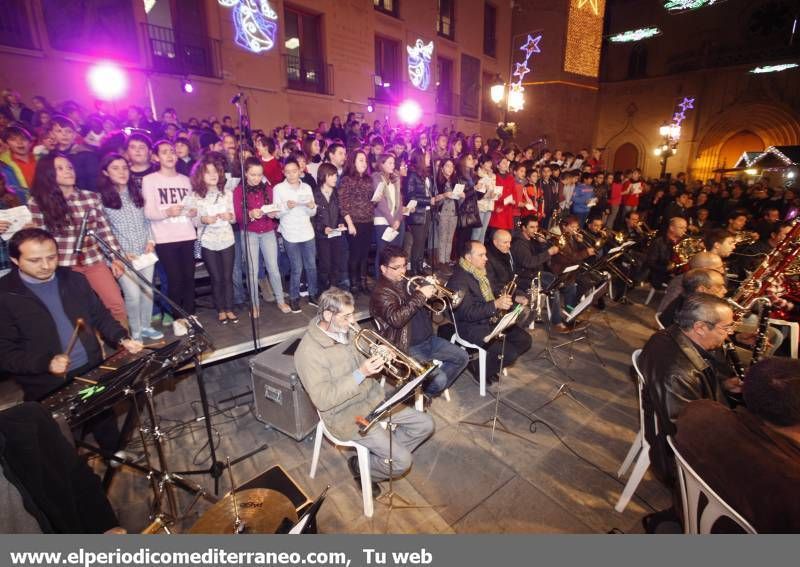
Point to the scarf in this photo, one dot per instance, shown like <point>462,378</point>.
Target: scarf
<point>480,275</point>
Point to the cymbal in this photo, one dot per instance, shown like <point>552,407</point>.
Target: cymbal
<point>261,510</point>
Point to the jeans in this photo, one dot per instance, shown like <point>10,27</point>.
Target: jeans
<point>267,244</point>
<point>612,217</point>
<point>359,250</point>
<point>239,297</point>
<point>480,233</point>
<point>332,269</point>
<point>454,359</point>
<point>302,255</point>
<point>380,243</point>
<point>219,264</point>
<point>138,300</point>
<point>420,232</point>
<point>178,261</point>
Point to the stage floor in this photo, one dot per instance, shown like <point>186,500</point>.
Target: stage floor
<point>531,481</point>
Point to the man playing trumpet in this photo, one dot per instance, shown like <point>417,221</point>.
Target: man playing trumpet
<point>345,385</point>
<point>404,319</point>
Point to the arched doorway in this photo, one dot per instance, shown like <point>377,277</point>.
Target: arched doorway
<point>626,157</point>
<point>736,145</point>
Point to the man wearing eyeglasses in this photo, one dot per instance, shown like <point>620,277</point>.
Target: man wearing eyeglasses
<point>344,385</point>
<point>404,319</point>
<point>678,367</point>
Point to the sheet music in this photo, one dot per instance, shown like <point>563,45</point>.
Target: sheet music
<point>403,392</point>
<point>586,302</point>
<point>18,217</point>
<point>571,268</point>
<point>507,321</point>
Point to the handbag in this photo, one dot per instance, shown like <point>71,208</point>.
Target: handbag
<point>469,219</point>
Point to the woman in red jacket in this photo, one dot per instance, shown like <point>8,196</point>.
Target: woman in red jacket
<point>614,181</point>
<point>505,205</point>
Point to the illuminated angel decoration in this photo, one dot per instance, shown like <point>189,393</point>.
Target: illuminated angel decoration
<point>419,64</point>
<point>255,23</point>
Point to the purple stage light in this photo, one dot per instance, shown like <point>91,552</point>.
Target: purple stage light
<point>409,112</point>
<point>107,80</point>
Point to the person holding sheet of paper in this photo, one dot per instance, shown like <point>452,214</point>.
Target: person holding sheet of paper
<point>330,230</point>
<point>420,191</point>
<point>450,196</point>
<point>506,205</point>
<point>487,195</point>
<point>389,221</point>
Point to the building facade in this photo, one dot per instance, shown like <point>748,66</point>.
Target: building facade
<point>297,62</point>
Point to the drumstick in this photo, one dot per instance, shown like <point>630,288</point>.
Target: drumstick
<point>73,339</point>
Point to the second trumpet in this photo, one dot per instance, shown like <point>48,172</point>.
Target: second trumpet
<point>440,299</point>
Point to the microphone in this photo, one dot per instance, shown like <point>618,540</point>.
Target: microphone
<point>81,233</point>
<point>236,98</point>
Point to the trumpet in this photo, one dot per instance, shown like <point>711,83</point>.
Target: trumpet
<point>442,296</point>
<point>551,239</point>
<point>509,289</point>
<point>397,364</point>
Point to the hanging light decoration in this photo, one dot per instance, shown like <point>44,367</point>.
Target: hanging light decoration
<point>634,35</point>
<point>254,22</point>
<point>678,6</point>
<point>773,68</point>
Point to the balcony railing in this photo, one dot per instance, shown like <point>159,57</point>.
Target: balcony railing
<point>310,75</point>
<point>181,53</point>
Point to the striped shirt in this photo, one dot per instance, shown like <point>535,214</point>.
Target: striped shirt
<point>129,225</point>
<point>79,203</point>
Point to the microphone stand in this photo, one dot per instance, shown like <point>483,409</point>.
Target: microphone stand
<point>196,333</point>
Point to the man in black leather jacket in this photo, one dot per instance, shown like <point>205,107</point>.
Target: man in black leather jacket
<point>473,317</point>
<point>405,320</point>
<point>678,367</point>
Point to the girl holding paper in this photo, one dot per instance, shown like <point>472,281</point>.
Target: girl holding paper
<point>215,210</point>
<point>487,195</point>
<point>451,195</point>
<point>123,204</point>
<point>355,198</point>
<point>506,205</point>
<point>388,222</point>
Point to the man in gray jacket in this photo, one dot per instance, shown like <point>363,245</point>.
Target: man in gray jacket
<point>344,385</point>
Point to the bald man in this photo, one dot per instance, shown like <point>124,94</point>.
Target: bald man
<point>500,268</point>
<point>701,260</point>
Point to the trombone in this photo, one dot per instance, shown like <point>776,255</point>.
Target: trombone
<point>441,297</point>
<point>397,364</point>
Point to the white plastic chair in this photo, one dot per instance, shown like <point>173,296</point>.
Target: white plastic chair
<point>650,295</point>
<point>456,339</point>
<point>692,486</point>
<point>658,321</point>
<point>640,449</point>
<point>794,334</point>
<point>363,462</point>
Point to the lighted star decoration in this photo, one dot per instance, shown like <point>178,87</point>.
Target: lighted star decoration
<point>634,35</point>
<point>686,104</point>
<point>592,4</point>
<point>531,46</point>
<point>516,99</point>
<point>678,117</point>
<point>773,68</point>
<point>676,6</point>
<point>254,22</point>
<point>521,70</point>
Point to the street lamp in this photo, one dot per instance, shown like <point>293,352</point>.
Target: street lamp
<point>670,133</point>
<point>497,92</point>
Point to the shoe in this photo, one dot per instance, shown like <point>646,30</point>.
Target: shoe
<point>122,455</point>
<point>352,464</point>
<point>255,313</point>
<point>152,334</point>
<point>313,301</point>
<point>578,325</point>
<point>493,379</point>
<point>167,320</point>
<point>284,308</point>
<point>562,329</point>
<point>294,304</point>
<point>179,327</point>
<point>222,318</point>
<point>601,304</point>
<point>232,317</point>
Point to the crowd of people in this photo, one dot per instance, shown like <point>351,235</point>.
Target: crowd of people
<point>282,214</point>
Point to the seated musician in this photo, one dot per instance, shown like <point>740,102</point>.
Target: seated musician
<point>41,303</point>
<point>678,366</point>
<point>634,230</point>
<point>344,385</point>
<point>752,255</point>
<point>500,268</point>
<point>473,317</point>
<point>751,456</point>
<point>659,258</point>
<point>701,260</point>
<point>531,257</point>
<point>405,321</point>
<point>720,242</point>
<point>594,228</point>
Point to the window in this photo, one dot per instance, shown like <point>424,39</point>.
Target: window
<point>469,101</point>
<point>387,7</point>
<point>489,30</point>
<point>490,112</point>
<point>101,28</point>
<point>15,27</point>
<point>305,66</point>
<point>446,21</point>
<point>177,40</point>
<point>637,62</point>
<point>387,69</point>
<point>444,88</point>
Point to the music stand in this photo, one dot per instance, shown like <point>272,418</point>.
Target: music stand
<point>386,409</point>
<point>308,523</point>
<point>580,308</point>
<point>508,321</point>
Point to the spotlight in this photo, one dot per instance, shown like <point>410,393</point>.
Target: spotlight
<point>187,86</point>
<point>370,107</point>
<point>409,112</point>
<point>107,81</point>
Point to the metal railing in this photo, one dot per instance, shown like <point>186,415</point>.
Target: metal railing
<point>310,75</point>
<point>182,53</point>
